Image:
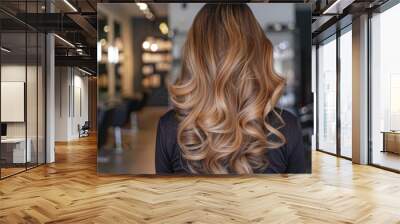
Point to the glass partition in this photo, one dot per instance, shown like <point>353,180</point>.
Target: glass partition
<point>327,95</point>
<point>346,93</point>
<point>22,91</point>
<point>15,151</point>
<point>385,89</point>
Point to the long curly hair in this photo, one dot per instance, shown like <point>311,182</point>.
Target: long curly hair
<point>225,92</point>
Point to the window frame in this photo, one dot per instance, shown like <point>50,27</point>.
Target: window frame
<point>333,37</point>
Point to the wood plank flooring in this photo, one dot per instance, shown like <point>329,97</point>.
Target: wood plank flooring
<point>70,191</point>
<point>11,170</point>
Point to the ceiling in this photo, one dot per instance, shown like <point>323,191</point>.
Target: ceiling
<point>80,27</point>
<point>131,9</point>
<point>73,20</point>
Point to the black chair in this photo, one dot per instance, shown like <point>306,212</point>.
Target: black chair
<point>119,119</point>
<point>84,130</point>
<point>134,106</point>
<point>104,117</point>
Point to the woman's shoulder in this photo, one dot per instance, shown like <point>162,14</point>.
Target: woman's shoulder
<point>289,158</point>
<point>279,115</point>
<point>168,119</point>
<point>290,128</point>
<point>289,118</point>
<point>167,132</point>
<point>288,124</point>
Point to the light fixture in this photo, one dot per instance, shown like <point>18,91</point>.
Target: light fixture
<point>79,51</point>
<point>153,47</point>
<point>333,9</point>
<point>103,42</point>
<point>163,28</point>
<point>146,10</point>
<point>142,6</point>
<point>64,40</point>
<point>277,27</point>
<point>283,45</point>
<point>84,71</point>
<point>146,45</point>
<point>113,55</point>
<point>99,51</point>
<point>149,15</point>
<point>106,29</point>
<point>5,50</point>
<point>70,5</point>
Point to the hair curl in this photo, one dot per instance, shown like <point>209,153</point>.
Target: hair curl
<point>225,91</point>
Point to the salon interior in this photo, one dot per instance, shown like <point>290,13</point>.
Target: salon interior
<point>149,37</point>
<point>84,83</point>
<point>147,40</point>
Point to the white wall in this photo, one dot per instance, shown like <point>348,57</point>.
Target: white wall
<point>71,93</point>
<point>12,73</point>
<point>33,126</point>
<point>61,103</point>
<point>80,96</point>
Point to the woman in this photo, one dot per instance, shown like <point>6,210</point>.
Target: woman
<point>224,119</point>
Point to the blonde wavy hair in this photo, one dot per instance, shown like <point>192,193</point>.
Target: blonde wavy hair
<point>225,92</point>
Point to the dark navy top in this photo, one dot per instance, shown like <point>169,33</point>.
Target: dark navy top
<point>290,158</point>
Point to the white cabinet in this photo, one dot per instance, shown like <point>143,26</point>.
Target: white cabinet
<point>18,149</point>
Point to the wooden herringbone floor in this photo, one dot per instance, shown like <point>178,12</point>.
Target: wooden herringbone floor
<point>70,191</point>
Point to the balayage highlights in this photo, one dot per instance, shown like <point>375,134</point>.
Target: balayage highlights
<point>226,89</point>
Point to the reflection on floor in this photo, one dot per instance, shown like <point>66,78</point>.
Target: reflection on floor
<point>10,171</point>
<point>70,191</point>
<point>386,159</point>
<point>14,169</point>
<point>346,152</point>
<point>137,156</point>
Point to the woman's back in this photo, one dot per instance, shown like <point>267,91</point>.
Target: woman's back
<point>289,158</point>
<point>224,100</point>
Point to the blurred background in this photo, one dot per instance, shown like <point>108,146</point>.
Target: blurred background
<point>139,53</point>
